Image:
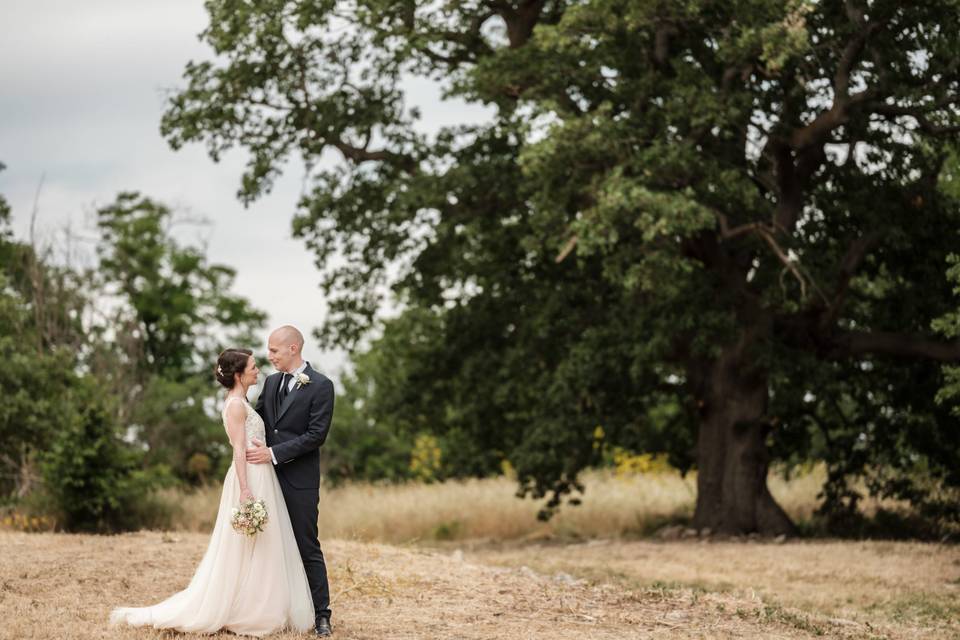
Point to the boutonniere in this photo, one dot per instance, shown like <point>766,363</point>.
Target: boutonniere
<point>302,379</point>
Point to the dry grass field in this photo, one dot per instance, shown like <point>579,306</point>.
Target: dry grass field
<point>464,560</point>
<point>613,506</point>
<point>63,586</point>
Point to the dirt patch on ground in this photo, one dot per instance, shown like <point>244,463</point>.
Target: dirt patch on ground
<point>63,586</point>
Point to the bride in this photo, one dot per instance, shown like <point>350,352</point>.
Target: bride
<point>250,586</point>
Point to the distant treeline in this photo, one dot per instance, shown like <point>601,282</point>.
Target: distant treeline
<point>107,384</point>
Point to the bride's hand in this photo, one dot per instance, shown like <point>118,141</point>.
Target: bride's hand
<point>245,495</point>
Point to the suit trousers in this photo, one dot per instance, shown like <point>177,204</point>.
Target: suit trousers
<point>302,504</point>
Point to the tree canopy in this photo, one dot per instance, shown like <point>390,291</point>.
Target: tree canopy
<point>721,230</point>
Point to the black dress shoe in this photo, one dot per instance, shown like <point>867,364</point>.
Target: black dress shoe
<point>323,627</point>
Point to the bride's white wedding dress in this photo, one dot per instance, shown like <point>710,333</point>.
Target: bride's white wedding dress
<point>250,586</point>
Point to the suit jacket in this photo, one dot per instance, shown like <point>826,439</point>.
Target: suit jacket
<point>297,428</point>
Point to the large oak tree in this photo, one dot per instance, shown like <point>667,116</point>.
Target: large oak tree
<point>737,205</point>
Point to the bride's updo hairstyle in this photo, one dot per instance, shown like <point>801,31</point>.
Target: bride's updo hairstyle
<point>230,363</point>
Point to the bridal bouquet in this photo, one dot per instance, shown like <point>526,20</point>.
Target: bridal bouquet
<point>250,517</point>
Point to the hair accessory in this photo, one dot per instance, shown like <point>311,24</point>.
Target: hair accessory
<point>219,370</point>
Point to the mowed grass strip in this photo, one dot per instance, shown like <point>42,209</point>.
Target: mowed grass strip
<point>892,589</point>
<point>63,586</point>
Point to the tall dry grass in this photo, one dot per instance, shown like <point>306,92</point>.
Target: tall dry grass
<point>613,506</point>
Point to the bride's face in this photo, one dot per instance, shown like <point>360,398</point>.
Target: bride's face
<point>249,375</point>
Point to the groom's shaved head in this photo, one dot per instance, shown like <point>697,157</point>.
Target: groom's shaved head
<point>284,347</point>
<point>288,334</point>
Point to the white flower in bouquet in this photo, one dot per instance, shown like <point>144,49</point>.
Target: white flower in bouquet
<point>249,518</point>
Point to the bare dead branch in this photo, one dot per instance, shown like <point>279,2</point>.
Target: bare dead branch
<point>767,234</point>
<point>567,249</point>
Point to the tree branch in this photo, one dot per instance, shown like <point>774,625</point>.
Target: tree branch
<point>855,12</point>
<point>851,261</point>
<point>816,132</point>
<point>661,44</point>
<point>468,40</point>
<point>848,59</point>
<point>570,245</point>
<point>920,114</point>
<point>360,154</point>
<point>898,345</point>
<point>520,20</point>
<point>767,234</point>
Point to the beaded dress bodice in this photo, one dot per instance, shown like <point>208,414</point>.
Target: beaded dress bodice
<point>253,427</point>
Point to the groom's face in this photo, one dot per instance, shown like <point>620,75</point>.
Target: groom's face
<point>280,354</point>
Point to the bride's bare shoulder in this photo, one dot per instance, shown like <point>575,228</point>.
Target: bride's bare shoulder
<point>234,409</point>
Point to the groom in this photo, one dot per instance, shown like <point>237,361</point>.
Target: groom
<point>296,405</point>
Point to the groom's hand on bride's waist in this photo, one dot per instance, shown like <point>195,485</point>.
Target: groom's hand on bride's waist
<point>258,453</point>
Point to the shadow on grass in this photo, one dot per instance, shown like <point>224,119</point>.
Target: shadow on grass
<point>884,524</point>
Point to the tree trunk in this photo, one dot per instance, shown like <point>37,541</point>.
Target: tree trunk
<point>732,456</point>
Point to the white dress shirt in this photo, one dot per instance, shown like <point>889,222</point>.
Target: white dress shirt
<point>295,373</point>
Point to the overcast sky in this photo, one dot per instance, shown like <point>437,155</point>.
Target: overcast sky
<point>81,95</point>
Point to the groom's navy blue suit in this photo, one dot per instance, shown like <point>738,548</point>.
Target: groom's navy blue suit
<point>296,428</point>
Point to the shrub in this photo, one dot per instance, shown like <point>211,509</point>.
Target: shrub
<point>93,479</point>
